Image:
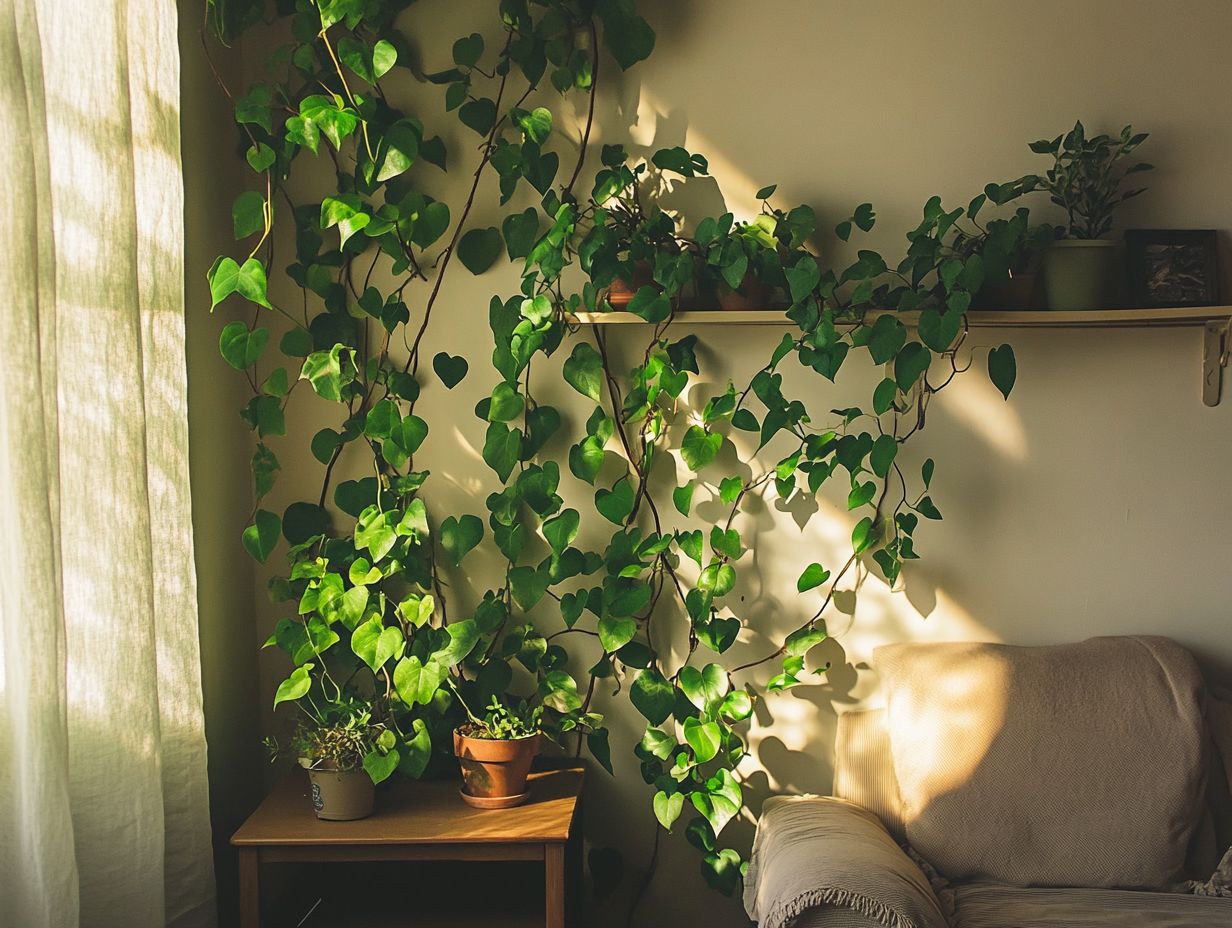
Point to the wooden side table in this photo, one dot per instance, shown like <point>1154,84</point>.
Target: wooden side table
<point>418,821</point>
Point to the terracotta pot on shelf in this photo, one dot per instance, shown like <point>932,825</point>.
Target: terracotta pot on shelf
<point>753,294</point>
<point>341,795</point>
<point>1014,295</point>
<point>494,772</point>
<point>621,292</point>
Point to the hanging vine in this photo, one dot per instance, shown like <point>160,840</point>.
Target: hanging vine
<point>368,556</point>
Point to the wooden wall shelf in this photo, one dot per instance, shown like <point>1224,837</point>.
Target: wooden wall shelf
<point>1213,320</point>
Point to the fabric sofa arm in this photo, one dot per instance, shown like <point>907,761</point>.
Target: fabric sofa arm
<point>830,857</point>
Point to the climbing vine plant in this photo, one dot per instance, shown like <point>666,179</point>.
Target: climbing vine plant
<point>367,607</point>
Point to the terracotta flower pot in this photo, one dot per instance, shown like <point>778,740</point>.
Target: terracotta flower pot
<point>753,294</point>
<point>620,292</point>
<point>494,772</point>
<point>1017,293</point>
<point>342,795</point>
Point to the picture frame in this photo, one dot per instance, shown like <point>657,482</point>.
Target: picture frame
<point>1172,267</point>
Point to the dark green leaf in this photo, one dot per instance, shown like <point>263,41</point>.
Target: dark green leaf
<point>479,249</point>
<point>1002,369</point>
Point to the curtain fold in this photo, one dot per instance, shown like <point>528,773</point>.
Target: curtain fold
<point>103,802</point>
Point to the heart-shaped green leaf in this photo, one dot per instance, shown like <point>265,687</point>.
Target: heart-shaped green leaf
<point>521,230</point>
<point>260,538</point>
<point>450,368</point>
<point>240,347</point>
<point>813,576</point>
<point>667,807</point>
<point>704,688</point>
<point>1002,369</point>
<point>459,536</point>
<point>700,447</point>
<point>506,403</point>
<point>912,361</point>
<point>652,696</point>
<point>380,767</point>
<point>479,249</point>
<point>561,530</point>
<point>615,633</point>
<point>583,370</point>
<point>704,738</point>
<point>682,498</point>
<point>479,115</point>
<point>416,682</point>
<point>616,504</point>
<point>374,644</point>
<point>295,686</point>
<point>247,214</point>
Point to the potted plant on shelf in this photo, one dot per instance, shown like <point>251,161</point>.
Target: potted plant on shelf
<point>1009,250</point>
<point>495,752</point>
<point>346,753</point>
<point>1085,180</point>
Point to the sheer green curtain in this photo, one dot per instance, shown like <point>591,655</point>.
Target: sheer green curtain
<point>103,809</point>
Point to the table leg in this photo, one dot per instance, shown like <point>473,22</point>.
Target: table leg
<point>250,888</point>
<point>554,885</point>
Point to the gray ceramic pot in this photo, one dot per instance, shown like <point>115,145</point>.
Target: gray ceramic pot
<point>342,795</point>
<point>1078,274</point>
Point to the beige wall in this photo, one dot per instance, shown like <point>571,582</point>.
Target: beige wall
<point>1095,502</point>
<point>218,461</point>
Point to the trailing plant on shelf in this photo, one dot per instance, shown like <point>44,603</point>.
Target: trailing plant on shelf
<point>370,558</point>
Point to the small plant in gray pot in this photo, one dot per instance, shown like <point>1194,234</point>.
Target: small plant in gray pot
<point>346,753</point>
<point>1086,180</point>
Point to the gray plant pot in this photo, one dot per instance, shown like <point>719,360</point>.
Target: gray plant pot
<point>342,795</point>
<point>1078,274</point>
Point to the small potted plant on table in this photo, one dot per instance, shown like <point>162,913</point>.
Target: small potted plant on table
<point>346,753</point>
<point>1085,180</point>
<point>495,753</point>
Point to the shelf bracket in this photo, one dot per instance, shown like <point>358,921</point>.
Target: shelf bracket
<point>1216,336</point>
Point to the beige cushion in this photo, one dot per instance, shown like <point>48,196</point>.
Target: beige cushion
<point>864,767</point>
<point>1073,765</point>
<point>983,905</point>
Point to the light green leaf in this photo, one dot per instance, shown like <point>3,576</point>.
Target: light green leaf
<point>583,370</point>
<point>615,633</point>
<point>260,538</point>
<point>295,686</point>
<point>704,738</point>
<point>416,682</point>
<point>375,644</point>
<point>506,403</point>
<point>813,576</point>
<point>667,808</point>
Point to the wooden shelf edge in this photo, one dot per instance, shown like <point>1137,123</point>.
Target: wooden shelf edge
<point>1021,319</point>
